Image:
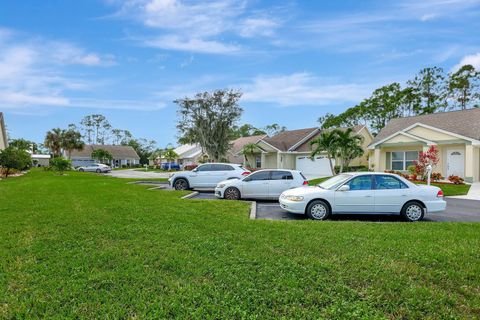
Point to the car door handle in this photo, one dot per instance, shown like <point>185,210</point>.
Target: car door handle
<point>368,196</point>
<point>404,195</point>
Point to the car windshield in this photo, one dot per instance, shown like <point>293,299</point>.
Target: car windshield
<point>334,181</point>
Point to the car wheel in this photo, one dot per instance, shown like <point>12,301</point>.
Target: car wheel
<point>231,194</point>
<point>81,170</point>
<point>318,210</point>
<point>99,171</point>
<point>412,212</point>
<point>180,184</point>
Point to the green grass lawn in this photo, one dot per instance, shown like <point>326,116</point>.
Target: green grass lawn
<point>317,181</point>
<point>451,189</point>
<point>90,246</point>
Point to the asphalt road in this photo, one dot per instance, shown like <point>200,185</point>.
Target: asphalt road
<point>458,210</point>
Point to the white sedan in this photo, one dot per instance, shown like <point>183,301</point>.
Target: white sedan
<point>262,184</point>
<point>95,167</point>
<point>364,193</point>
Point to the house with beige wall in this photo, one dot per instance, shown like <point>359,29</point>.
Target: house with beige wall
<point>455,133</point>
<point>292,150</point>
<point>3,133</point>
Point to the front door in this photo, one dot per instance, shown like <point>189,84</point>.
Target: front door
<point>455,162</point>
<point>359,199</point>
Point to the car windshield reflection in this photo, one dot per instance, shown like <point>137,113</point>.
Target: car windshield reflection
<point>334,181</point>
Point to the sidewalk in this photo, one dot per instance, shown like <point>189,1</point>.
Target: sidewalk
<point>473,193</point>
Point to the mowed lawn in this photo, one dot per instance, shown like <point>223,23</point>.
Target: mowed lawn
<point>89,246</point>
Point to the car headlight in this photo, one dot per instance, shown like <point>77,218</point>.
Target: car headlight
<point>221,185</point>
<point>293,198</point>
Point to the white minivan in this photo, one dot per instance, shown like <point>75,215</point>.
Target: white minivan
<point>207,175</point>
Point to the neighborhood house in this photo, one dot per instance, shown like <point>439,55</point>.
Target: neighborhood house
<point>455,133</point>
<point>122,155</point>
<point>292,150</point>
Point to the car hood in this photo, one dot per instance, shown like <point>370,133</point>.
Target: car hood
<point>303,191</point>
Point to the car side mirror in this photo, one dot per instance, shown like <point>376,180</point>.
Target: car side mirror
<point>194,170</point>
<point>345,187</point>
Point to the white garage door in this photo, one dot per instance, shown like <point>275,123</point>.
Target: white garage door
<point>316,168</point>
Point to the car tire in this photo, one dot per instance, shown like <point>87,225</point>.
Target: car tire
<point>180,184</point>
<point>81,170</point>
<point>99,171</point>
<point>412,211</point>
<point>231,194</point>
<point>318,210</point>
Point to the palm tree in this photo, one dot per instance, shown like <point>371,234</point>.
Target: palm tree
<point>249,149</point>
<point>170,155</point>
<point>326,142</point>
<point>72,140</point>
<point>349,146</point>
<point>54,140</point>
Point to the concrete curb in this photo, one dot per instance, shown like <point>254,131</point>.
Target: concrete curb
<point>253,210</point>
<point>190,195</point>
<point>157,188</point>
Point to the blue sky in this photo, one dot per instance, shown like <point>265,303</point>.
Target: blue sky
<point>294,60</point>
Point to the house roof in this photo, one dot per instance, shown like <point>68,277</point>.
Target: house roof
<point>464,122</point>
<point>234,155</point>
<point>238,144</point>
<point>117,151</point>
<point>305,146</point>
<point>285,140</point>
<point>188,151</point>
<point>3,129</point>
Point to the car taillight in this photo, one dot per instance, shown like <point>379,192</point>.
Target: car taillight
<point>305,183</point>
<point>440,194</point>
<point>246,173</point>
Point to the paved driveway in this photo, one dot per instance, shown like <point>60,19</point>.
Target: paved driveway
<point>458,210</point>
<point>134,174</point>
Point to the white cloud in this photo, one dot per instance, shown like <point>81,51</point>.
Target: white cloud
<point>67,53</point>
<point>258,26</point>
<point>473,59</point>
<point>301,89</point>
<point>386,24</point>
<point>32,70</point>
<point>197,26</point>
<point>173,42</point>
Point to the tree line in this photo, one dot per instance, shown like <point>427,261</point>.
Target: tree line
<point>95,129</point>
<point>430,91</point>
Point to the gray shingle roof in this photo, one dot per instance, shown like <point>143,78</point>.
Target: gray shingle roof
<point>287,139</point>
<point>118,152</point>
<point>464,122</point>
<point>306,147</point>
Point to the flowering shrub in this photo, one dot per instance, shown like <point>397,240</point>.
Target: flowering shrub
<point>455,179</point>
<point>435,176</point>
<point>425,158</point>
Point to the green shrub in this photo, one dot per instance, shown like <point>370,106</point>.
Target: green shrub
<point>14,159</point>
<point>60,164</point>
